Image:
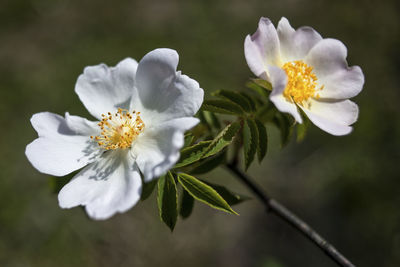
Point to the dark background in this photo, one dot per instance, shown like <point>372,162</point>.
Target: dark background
<point>347,188</point>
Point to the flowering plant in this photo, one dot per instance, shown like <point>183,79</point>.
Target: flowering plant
<point>145,133</point>
<point>306,72</point>
<point>142,110</point>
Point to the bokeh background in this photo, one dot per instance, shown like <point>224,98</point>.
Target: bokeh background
<point>347,188</point>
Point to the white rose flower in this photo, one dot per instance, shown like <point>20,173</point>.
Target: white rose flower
<point>143,111</point>
<point>306,72</point>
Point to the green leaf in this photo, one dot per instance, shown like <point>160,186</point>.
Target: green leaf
<point>211,120</point>
<point>250,141</point>
<point>209,164</point>
<point>223,139</point>
<point>192,153</point>
<point>204,193</point>
<point>200,130</point>
<point>188,139</point>
<point>203,120</point>
<point>262,140</point>
<point>250,99</point>
<point>266,113</point>
<point>263,83</point>
<point>187,203</point>
<point>222,106</point>
<point>258,89</point>
<point>147,189</point>
<point>235,97</point>
<point>285,125</point>
<point>289,123</point>
<point>301,129</point>
<point>230,197</point>
<point>167,200</point>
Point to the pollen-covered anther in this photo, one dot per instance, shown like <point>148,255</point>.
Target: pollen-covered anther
<point>302,82</point>
<point>119,130</point>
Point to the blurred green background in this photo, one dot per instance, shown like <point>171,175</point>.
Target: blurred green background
<point>347,188</point>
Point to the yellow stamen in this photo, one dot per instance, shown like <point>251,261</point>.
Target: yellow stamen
<point>119,130</point>
<point>302,82</point>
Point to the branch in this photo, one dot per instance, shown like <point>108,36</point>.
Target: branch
<point>281,211</point>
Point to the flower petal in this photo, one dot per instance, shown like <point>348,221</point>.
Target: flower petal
<point>157,149</point>
<point>295,45</point>
<point>262,48</point>
<point>105,187</point>
<point>328,58</point>
<point>163,92</point>
<point>81,126</point>
<point>333,117</point>
<point>279,81</point>
<point>63,145</point>
<point>342,84</point>
<point>103,89</point>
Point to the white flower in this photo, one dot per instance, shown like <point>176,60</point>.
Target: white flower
<point>306,72</point>
<point>143,111</point>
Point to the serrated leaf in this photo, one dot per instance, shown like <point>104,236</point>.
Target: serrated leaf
<point>250,141</point>
<point>230,197</point>
<point>285,125</point>
<point>167,200</point>
<point>262,140</point>
<point>200,130</point>
<point>203,120</point>
<point>211,120</point>
<point>187,203</point>
<point>222,106</point>
<point>266,113</point>
<point>204,193</point>
<point>223,139</point>
<point>263,83</point>
<point>147,189</point>
<point>290,123</point>
<point>301,129</point>
<point>188,139</point>
<point>235,97</point>
<point>209,164</point>
<point>258,89</point>
<point>192,153</point>
<point>252,103</point>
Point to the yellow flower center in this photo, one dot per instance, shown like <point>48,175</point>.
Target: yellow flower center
<point>119,130</point>
<point>302,82</point>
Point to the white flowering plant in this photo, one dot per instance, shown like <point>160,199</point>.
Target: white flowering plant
<point>153,128</point>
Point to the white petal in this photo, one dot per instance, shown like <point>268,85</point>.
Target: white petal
<point>157,149</point>
<point>262,48</point>
<point>333,117</point>
<point>342,84</point>
<point>328,58</point>
<point>279,81</point>
<point>105,187</point>
<point>63,145</point>
<point>163,92</point>
<point>81,126</point>
<point>103,89</point>
<point>295,45</point>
